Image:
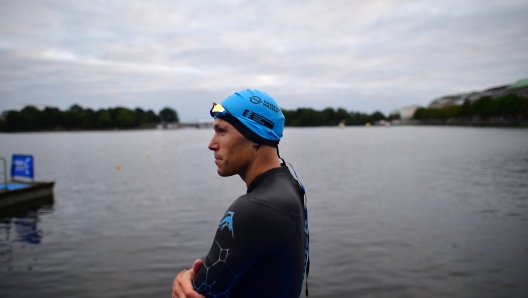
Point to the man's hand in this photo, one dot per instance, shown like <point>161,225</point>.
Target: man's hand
<point>182,285</point>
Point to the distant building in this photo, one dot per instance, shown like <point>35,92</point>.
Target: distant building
<point>472,96</point>
<point>520,88</point>
<point>495,92</point>
<point>449,100</point>
<point>165,125</point>
<point>204,123</point>
<point>407,113</point>
<point>395,114</point>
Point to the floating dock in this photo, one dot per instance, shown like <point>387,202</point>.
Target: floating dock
<point>18,192</point>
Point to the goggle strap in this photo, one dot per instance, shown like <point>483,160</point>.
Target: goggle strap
<point>278,154</point>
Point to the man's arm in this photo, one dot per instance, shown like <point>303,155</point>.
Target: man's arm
<point>246,233</point>
<point>182,285</point>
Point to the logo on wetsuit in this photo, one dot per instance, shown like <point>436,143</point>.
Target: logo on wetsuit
<point>227,221</point>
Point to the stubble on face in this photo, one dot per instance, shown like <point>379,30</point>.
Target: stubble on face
<point>232,151</point>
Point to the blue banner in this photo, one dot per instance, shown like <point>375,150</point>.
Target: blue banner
<point>22,166</point>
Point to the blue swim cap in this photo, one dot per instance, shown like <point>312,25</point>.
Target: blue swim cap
<point>258,112</point>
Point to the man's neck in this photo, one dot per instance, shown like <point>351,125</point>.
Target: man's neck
<point>261,164</point>
<point>254,175</point>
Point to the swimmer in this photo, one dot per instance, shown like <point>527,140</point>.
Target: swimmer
<point>261,244</point>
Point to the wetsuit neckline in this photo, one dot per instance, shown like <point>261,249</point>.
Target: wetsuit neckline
<point>264,175</point>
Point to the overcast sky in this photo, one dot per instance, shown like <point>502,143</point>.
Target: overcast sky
<point>359,55</point>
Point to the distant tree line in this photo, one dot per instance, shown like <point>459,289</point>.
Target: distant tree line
<point>31,118</point>
<point>510,107</point>
<point>329,117</point>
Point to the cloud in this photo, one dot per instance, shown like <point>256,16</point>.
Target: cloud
<point>360,55</point>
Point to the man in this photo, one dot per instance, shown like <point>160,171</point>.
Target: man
<point>261,244</point>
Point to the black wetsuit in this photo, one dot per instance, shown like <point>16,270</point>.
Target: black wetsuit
<point>260,248</point>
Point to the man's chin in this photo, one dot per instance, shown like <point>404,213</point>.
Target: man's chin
<point>224,173</point>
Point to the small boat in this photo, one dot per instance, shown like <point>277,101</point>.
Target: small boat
<point>17,191</point>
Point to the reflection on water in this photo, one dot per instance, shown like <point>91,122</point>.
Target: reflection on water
<point>19,223</point>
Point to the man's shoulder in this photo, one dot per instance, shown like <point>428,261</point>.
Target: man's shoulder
<point>279,178</point>
<point>278,190</point>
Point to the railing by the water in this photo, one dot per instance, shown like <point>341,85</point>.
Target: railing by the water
<point>4,173</point>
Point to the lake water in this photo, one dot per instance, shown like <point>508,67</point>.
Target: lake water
<point>398,212</point>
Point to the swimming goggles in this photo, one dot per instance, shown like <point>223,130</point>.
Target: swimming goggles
<point>218,111</point>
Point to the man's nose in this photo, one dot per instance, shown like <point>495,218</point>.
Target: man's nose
<point>213,145</point>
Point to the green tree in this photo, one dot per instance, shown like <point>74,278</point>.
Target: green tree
<point>356,118</point>
<point>126,118</point>
<point>329,117</point>
<point>395,116</point>
<point>75,108</point>
<point>523,109</point>
<point>376,116</point>
<point>13,121</point>
<point>30,118</point>
<point>53,118</point>
<point>152,117</point>
<point>447,112</point>
<point>420,114</point>
<point>141,116</point>
<point>88,119</point>
<point>483,107</point>
<point>307,117</point>
<point>76,117</point>
<point>465,109</point>
<point>510,105</point>
<point>104,119</point>
<point>3,126</point>
<point>342,115</point>
<point>290,117</point>
<point>169,115</point>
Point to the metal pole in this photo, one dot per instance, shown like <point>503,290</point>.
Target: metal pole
<point>5,173</point>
